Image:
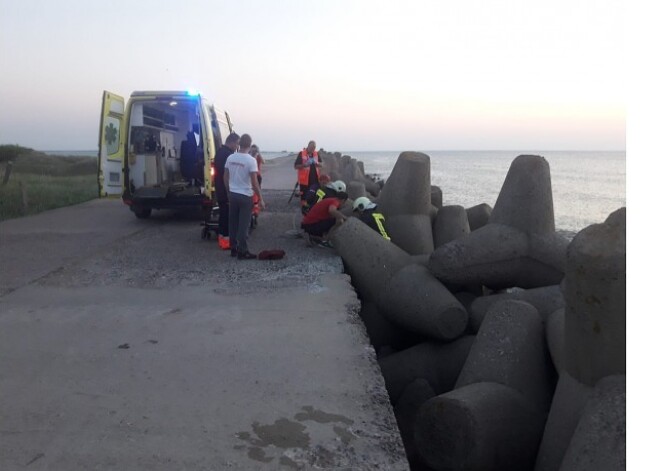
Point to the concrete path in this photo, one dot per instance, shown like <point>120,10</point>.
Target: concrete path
<point>130,344</point>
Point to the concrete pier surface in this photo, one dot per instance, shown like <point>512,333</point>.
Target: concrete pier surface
<point>134,344</point>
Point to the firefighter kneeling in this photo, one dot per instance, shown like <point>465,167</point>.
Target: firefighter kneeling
<point>370,216</point>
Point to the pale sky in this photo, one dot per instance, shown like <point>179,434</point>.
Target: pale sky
<point>351,74</point>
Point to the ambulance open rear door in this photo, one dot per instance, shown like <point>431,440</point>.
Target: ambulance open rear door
<point>112,139</point>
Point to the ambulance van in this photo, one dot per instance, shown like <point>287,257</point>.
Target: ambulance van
<point>157,151</point>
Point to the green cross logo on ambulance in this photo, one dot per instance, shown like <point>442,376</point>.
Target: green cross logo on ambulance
<point>157,151</point>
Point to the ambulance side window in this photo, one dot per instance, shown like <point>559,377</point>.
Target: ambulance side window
<point>215,128</point>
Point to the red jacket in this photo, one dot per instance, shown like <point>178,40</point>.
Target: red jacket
<point>321,211</point>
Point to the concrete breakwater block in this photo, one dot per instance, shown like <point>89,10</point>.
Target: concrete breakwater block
<point>370,259</point>
<point>432,214</point>
<point>496,256</point>
<point>546,300</point>
<point>347,208</point>
<point>412,232</point>
<point>451,222</point>
<point>567,405</point>
<point>355,190</point>
<point>436,196</point>
<point>408,189</point>
<point>549,249</point>
<point>371,186</point>
<point>416,300</point>
<point>599,441</point>
<point>555,326</point>
<point>525,200</point>
<point>509,349</point>
<point>422,259</point>
<point>478,215</point>
<point>595,292</point>
<point>438,363</point>
<point>347,169</point>
<point>405,412</point>
<point>382,333</point>
<point>481,426</point>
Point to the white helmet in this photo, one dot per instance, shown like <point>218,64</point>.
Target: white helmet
<point>338,185</point>
<point>363,203</point>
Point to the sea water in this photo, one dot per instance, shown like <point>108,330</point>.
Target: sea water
<point>586,186</point>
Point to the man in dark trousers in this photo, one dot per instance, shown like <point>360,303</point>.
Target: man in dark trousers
<point>241,180</point>
<point>308,164</point>
<point>229,147</point>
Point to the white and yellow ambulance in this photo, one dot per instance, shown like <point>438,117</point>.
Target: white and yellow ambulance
<point>157,152</point>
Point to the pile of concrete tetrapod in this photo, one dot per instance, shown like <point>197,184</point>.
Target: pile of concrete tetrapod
<point>502,343</point>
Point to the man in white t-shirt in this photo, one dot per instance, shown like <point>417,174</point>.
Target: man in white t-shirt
<point>241,182</point>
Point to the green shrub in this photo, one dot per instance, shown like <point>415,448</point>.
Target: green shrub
<point>12,152</point>
<point>44,191</point>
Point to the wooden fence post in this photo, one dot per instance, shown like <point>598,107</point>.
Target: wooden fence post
<point>8,168</point>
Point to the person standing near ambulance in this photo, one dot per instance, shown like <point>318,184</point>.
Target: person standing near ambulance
<point>240,179</point>
<point>228,148</point>
<point>308,164</point>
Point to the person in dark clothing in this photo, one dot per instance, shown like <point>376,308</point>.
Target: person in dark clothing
<point>308,164</point>
<point>368,214</point>
<point>229,147</point>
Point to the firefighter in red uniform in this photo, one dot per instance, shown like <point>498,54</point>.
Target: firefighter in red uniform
<point>308,164</point>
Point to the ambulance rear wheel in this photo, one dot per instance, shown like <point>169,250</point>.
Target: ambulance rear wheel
<point>142,213</point>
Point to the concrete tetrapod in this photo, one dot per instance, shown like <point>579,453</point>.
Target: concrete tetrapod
<point>478,215</point>
<point>450,223</point>
<point>370,259</point>
<point>518,246</point>
<point>408,189</point>
<point>481,426</point>
<point>405,411</point>
<point>436,196</point>
<point>509,349</point>
<point>405,200</point>
<point>499,257</point>
<point>382,332</point>
<point>416,300</point>
<point>595,292</point>
<point>439,364</point>
<point>525,200</point>
<point>567,405</point>
<point>356,190</point>
<point>412,232</point>
<point>546,300</point>
<point>599,441</point>
<point>554,338</point>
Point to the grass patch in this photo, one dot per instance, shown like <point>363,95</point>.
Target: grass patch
<point>48,181</point>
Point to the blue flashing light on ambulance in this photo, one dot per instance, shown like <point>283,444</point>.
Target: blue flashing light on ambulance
<point>157,152</point>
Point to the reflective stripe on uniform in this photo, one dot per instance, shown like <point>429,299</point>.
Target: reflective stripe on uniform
<point>380,219</point>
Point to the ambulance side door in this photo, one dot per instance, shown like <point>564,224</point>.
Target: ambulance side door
<point>112,141</point>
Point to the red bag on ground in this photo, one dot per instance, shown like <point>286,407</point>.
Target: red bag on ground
<point>271,254</point>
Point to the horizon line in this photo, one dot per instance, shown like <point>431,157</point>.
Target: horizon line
<point>395,150</point>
